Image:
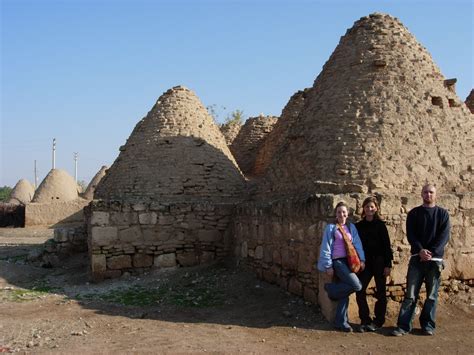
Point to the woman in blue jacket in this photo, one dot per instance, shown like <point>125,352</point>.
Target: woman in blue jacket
<point>333,261</point>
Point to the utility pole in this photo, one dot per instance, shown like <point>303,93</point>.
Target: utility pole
<point>54,153</point>
<point>75,165</point>
<point>36,177</point>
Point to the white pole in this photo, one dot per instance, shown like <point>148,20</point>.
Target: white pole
<point>75,166</point>
<point>36,176</point>
<point>54,153</point>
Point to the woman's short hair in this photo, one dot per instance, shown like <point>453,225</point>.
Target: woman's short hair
<point>341,204</point>
<point>368,200</point>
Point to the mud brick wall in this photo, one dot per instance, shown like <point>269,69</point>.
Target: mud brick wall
<point>280,240</point>
<point>61,212</point>
<point>133,237</point>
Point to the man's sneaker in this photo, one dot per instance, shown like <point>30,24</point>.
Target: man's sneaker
<point>428,332</point>
<point>398,332</point>
<point>371,327</point>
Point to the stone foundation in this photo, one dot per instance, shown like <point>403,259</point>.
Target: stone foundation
<point>280,240</point>
<point>133,237</point>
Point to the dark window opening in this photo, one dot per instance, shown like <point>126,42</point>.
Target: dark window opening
<point>437,100</point>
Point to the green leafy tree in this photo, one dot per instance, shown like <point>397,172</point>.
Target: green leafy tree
<point>5,192</point>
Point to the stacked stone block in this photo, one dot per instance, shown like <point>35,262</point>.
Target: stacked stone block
<point>280,240</point>
<point>133,237</point>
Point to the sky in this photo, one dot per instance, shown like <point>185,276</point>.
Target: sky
<point>86,71</point>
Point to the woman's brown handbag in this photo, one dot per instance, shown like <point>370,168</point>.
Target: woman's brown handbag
<point>352,257</point>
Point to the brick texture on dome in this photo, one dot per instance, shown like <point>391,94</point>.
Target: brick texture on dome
<point>276,138</point>
<point>22,193</point>
<point>175,153</point>
<point>230,130</point>
<point>247,143</point>
<point>380,116</point>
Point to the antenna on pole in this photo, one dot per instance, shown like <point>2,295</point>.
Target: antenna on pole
<point>54,153</point>
<point>36,176</point>
<point>75,166</point>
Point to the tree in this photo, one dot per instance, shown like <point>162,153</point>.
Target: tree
<point>235,117</point>
<point>214,111</point>
<point>5,192</point>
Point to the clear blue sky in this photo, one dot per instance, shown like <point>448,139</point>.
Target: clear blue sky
<point>85,72</point>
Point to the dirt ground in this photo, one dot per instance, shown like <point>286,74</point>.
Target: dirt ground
<point>213,309</point>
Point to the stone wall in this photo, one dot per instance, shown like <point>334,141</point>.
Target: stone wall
<point>132,237</point>
<point>46,214</point>
<point>280,240</point>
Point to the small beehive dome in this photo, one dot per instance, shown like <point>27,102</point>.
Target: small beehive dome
<point>57,186</point>
<point>89,193</point>
<point>22,193</point>
<point>246,144</point>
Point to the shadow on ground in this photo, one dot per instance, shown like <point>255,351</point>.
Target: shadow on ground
<point>218,293</point>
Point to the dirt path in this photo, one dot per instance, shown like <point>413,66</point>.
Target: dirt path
<point>213,309</point>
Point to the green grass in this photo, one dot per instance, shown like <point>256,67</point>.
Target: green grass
<point>199,290</point>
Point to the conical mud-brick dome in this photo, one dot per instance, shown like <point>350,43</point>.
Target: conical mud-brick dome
<point>57,186</point>
<point>247,143</point>
<point>230,130</point>
<point>275,139</point>
<point>380,116</point>
<point>470,101</point>
<point>175,153</point>
<point>22,193</point>
<point>89,193</point>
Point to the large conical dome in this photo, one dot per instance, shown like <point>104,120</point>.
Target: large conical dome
<point>380,116</point>
<point>22,193</point>
<point>175,153</point>
<point>89,193</point>
<point>57,186</point>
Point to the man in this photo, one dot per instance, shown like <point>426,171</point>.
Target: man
<point>428,233</point>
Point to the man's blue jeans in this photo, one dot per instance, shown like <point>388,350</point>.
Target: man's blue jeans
<point>347,283</point>
<point>428,272</point>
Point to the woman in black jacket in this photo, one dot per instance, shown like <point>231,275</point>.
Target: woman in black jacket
<point>378,260</point>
